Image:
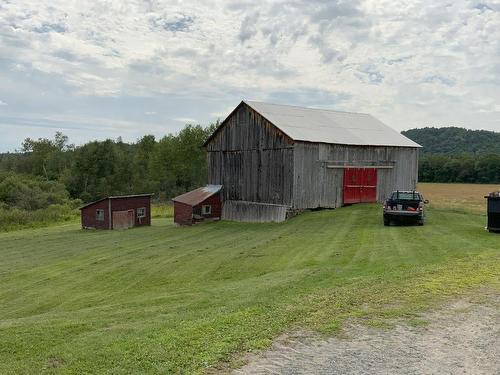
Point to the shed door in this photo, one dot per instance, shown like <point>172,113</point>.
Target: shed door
<point>360,185</point>
<point>123,219</point>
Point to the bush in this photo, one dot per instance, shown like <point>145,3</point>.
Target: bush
<point>30,192</point>
<point>28,201</point>
<point>15,218</point>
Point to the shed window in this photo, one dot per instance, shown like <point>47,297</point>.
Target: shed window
<point>141,212</point>
<point>99,215</point>
<point>206,209</point>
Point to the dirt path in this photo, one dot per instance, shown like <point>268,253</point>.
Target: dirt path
<point>461,338</point>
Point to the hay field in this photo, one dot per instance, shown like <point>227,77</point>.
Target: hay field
<point>463,197</point>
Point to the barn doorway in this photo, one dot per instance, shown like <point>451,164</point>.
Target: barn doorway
<point>360,185</point>
<point>123,219</point>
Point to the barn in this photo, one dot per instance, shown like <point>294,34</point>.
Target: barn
<point>277,160</point>
<point>117,212</point>
<point>199,205</point>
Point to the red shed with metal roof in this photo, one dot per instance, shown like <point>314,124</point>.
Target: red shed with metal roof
<point>117,212</point>
<point>201,204</point>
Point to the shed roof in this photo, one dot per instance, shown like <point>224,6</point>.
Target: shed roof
<point>329,126</point>
<point>117,196</point>
<point>197,196</point>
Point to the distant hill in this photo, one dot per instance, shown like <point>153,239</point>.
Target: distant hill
<point>453,140</point>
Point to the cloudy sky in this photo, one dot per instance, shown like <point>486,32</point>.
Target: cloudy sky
<point>103,69</point>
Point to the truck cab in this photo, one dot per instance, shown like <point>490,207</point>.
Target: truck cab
<point>404,206</point>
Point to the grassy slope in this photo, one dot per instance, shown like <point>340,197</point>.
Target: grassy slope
<point>166,299</point>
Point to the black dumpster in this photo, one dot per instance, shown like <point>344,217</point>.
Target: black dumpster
<point>493,212</point>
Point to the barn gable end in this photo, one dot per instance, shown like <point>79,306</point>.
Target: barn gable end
<point>251,158</point>
<point>275,160</point>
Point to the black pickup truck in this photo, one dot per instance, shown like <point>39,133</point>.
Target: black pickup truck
<point>405,206</point>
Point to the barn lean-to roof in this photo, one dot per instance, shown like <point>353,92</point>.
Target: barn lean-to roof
<point>326,126</point>
<point>197,196</point>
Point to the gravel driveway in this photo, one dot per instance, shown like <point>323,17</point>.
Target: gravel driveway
<point>461,338</point>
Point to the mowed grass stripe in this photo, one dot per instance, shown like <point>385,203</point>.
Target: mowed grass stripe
<point>180,300</point>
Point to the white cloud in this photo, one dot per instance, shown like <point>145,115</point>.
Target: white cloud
<point>410,63</point>
<point>2,103</point>
<point>186,120</point>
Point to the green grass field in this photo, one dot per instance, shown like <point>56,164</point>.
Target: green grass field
<point>163,299</point>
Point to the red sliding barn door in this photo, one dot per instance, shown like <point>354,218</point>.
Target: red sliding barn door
<point>369,189</point>
<point>352,185</point>
<point>360,185</point>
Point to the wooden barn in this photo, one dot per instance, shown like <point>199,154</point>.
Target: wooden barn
<point>117,212</point>
<point>199,205</point>
<point>276,160</point>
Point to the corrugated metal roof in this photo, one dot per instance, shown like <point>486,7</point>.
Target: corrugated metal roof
<point>197,196</point>
<point>328,126</point>
<point>117,196</point>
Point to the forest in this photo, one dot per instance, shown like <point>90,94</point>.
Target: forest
<point>457,155</point>
<point>455,141</point>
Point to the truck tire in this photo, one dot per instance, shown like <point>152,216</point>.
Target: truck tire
<point>420,222</point>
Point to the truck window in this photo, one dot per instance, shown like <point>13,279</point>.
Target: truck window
<point>406,196</point>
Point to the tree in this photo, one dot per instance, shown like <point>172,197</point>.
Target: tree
<point>46,157</point>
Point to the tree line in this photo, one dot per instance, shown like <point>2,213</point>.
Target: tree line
<point>46,171</point>
<point>465,168</point>
<point>168,166</point>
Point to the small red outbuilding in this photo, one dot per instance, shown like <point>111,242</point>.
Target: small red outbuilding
<point>117,212</point>
<point>204,203</point>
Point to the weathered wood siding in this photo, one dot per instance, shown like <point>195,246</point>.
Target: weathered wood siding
<point>258,164</point>
<point>253,212</point>
<point>314,185</point>
<point>252,159</point>
<point>317,185</point>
